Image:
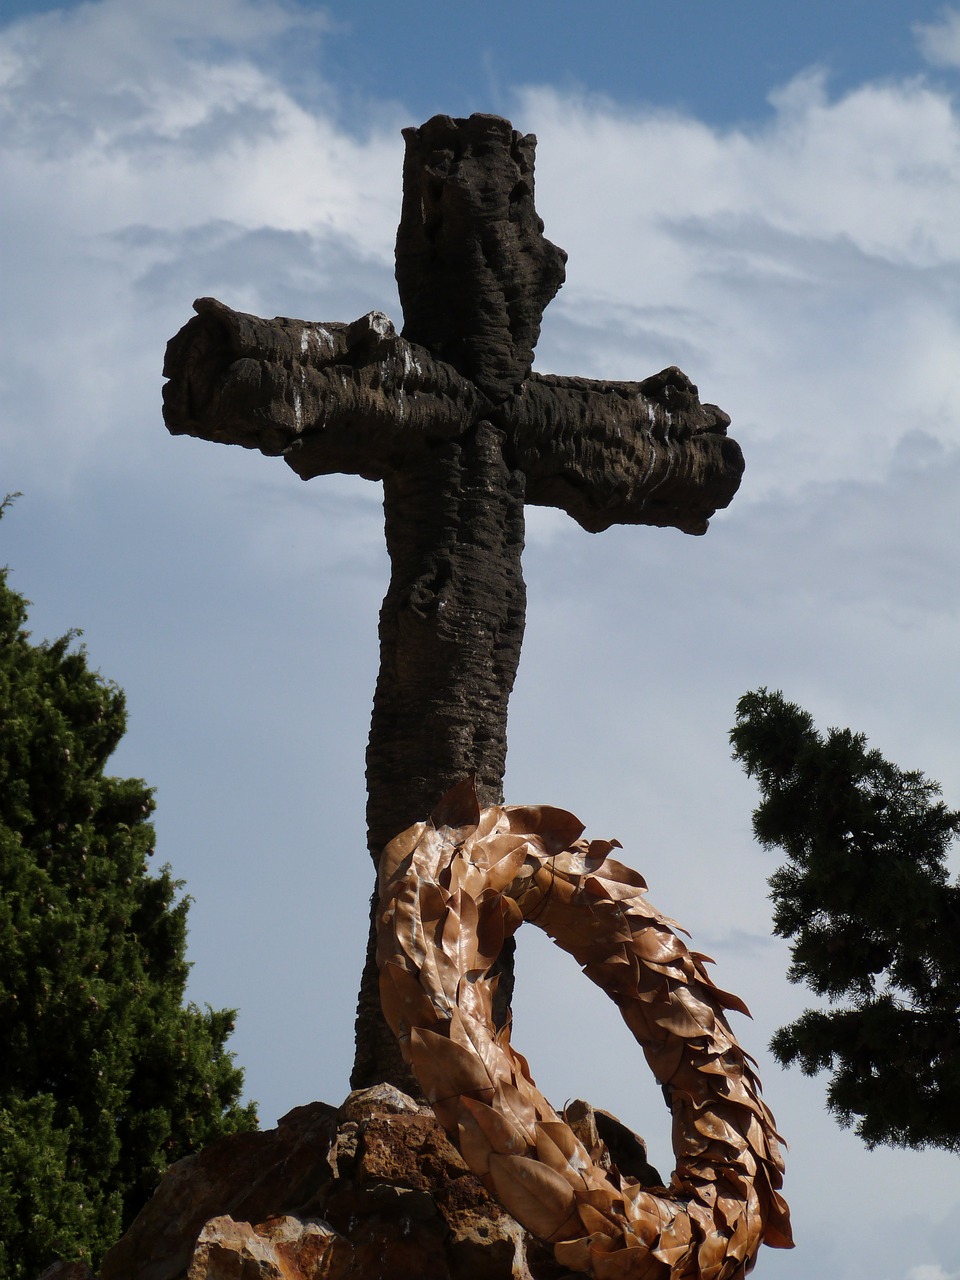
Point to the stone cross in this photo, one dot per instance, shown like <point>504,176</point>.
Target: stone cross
<point>449,416</point>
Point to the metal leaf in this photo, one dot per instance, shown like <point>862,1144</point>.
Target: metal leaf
<point>534,1194</point>
<point>452,890</point>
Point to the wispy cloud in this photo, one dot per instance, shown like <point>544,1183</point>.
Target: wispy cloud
<point>807,268</point>
<point>146,159</point>
<point>939,42</point>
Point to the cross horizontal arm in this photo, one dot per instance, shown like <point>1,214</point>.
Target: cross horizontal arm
<point>360,399</point>
<point>623,452</point>
<point>354,398</point>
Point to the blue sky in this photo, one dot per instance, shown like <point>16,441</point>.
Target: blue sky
<point>715,58</point>
<point>768,196</point>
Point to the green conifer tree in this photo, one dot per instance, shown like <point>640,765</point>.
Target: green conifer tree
<point>874,922</point>
<point>105,1076</point>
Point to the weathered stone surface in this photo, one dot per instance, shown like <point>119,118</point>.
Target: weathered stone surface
<point>401,1165</point>
<point>374,1189</point>
<point>280,1249</point>
<point>611,1143</point>
<point>622,452</point>
<point>474,269</point>
<point>328,397</point>
<point>248,1176</point>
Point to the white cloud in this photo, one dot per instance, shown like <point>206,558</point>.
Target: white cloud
<point>139,117</point>
<point>939,42</point>
<point>805,272</point>
<point>145,160</point>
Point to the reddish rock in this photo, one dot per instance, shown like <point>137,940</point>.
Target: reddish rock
<point>372,1191</point>
<point>281,1249</point>
<point>249,1176</point>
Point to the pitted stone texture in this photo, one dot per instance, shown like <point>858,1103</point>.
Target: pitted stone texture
<point>280,1249</point>
<point>373,1190</point>
<point>474,270</point>
<point>250,1177</point>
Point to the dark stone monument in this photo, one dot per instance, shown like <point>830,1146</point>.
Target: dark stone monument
<point>449,416</point>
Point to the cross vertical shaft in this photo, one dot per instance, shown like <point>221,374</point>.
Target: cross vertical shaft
<point>451,627</point>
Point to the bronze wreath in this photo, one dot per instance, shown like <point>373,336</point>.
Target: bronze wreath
<point>451,890</point>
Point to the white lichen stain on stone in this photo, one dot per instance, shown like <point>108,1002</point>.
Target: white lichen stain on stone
<point>381,324</point>
<point>321,336</point>
<point>299,392</point>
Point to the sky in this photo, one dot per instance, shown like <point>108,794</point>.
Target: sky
<point>766,195</point>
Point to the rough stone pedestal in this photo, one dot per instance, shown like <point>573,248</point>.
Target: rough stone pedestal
<point>373,1190</point>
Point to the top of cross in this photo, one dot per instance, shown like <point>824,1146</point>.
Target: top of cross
<point>474,272</point>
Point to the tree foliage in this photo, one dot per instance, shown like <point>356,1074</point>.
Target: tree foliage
<point>874,923</point>
<point>105,1076</point>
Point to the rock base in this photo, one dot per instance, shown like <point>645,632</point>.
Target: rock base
<point>373,1190</point>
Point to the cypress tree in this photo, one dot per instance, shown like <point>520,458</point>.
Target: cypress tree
<point>106,1077</point>
<point>873,921</point>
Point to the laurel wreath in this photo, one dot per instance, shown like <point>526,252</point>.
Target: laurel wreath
<point>452,889</point>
